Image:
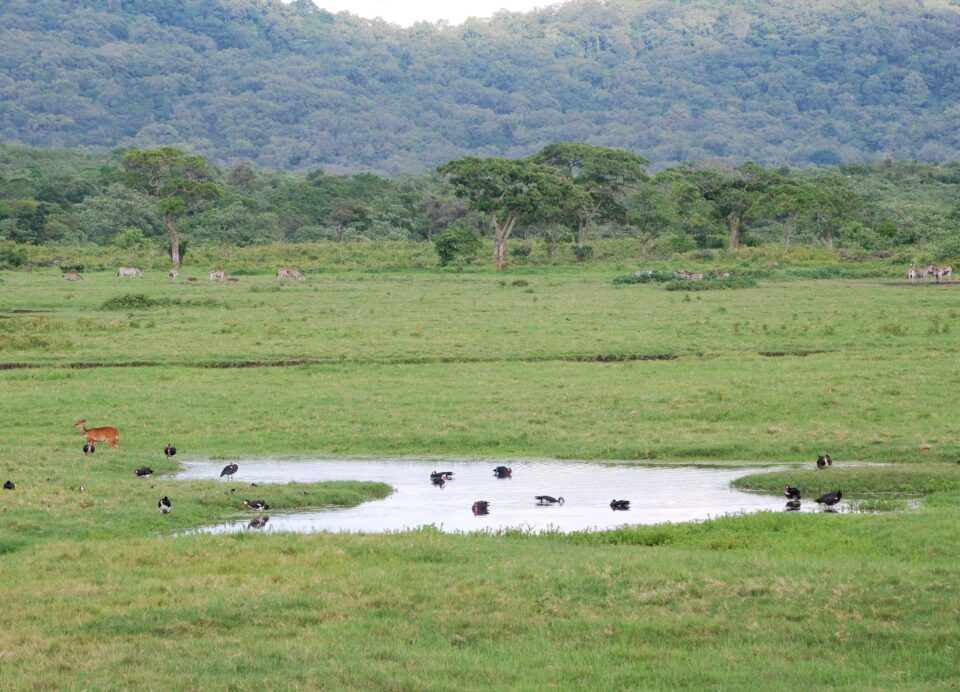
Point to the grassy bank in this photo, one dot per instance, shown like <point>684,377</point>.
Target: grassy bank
<point>101,594</point>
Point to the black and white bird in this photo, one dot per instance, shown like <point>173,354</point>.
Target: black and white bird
<point>791,493</point>
<point>503,472</point>
<point>169,451</point>
<point>480,507</point>
<point>445,475</point>
<point>88,448</point>
<point>793,505</point>
<point>548,499</point>
<point>164,505</point>
<point>830,499</point>
<point>438,481</point>
<point>258,505</point>
<point>143,472</point>
<point>619,504</point>
<point>258,522</point>
<point>9,485</point>
<point>823,461</point>
<point>229,470</point>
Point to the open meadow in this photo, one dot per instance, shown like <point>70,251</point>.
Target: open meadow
<point>100,592</point>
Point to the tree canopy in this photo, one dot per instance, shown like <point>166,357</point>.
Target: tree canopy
<point>289,86</point>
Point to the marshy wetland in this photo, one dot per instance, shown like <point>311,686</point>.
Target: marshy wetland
<point>107,592</point>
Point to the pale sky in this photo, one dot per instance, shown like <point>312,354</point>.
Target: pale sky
<point>406,12</point>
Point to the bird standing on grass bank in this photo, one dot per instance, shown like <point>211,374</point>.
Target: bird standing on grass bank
<point>823,461</point>
<point>830,499</point>
<point>164,505</point>
<point>791,493</point>
<point>549,499</point>
<point>9,486</point>
<point>619,504</point>
<point>143,472</point>
<point>229,470</point>
<point>169,451</point>
<point>258,505</point>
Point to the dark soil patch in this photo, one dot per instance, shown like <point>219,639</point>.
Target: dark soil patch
<point>783,354</point>
<point>27,311</point>
<point>919,283</point>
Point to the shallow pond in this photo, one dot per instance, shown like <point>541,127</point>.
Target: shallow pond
<point>656,493</point>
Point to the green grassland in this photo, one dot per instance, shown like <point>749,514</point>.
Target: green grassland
<point>100,592</point>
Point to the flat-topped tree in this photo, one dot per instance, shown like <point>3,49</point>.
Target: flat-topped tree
<point>603,174</point>
<point>177,181</point>
<point>509,191</point>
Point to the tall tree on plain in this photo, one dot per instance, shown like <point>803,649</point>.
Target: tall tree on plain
<point>177,181</point>
<point>733,192</point>
<point>508,191</point>
<point>651,212</point>
<point>601,173</point>
<point>831,202</point>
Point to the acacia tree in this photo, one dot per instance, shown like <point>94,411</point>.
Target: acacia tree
<point>651,212</point>
<point>178,182</point>
<point>509,191</point>
<point>601,174</point>
<point>733,193</point>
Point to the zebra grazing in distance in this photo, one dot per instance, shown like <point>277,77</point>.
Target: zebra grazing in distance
<point>129,272</point>
<point>217,274</point>
<point>287,273</point>
<point>173,274</point>
<point>943,273</point>
<point>912,273</point>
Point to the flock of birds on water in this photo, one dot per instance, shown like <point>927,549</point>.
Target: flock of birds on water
<point>440,478</point>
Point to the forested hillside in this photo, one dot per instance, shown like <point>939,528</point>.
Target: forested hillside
<point>289,86</point>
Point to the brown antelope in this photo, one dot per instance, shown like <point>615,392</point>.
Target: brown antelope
<point>129,272</point>
<point>72,276</point>
<point>217,274</point>
<point>106,434</point>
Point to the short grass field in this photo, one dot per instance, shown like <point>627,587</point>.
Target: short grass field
<point>100,591</point>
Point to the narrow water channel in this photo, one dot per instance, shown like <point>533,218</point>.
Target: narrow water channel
<point>657,494</point>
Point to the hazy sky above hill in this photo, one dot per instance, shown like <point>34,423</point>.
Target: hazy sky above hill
<point>410,11</point>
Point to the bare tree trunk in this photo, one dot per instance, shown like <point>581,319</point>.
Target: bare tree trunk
<point>582,232</point>
<point>174,243</point>
<point>787,228</point>
<point>500,235</point>
<point>829,238</point>
<point>733,229</point>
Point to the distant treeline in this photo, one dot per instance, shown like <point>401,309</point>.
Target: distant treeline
<point>132,199</point>
<point>289,86</point>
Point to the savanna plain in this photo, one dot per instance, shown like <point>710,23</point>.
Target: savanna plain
<point>101,591</point>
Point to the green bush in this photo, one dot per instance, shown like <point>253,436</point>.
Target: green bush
<point>459,244</point>
<point>583,253</point>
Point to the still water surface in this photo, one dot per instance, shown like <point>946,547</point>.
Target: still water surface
<point>657,494</point>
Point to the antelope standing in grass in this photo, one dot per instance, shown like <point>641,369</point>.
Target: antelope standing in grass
<point>129,272</point>
<point>217,274</point>
<point>105,434</point>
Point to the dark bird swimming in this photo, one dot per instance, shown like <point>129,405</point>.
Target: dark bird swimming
<point>793,505</point>
<point>480,507</point>
<point>619,504</point>
<point>791,493</point>
<point>503,472</point>
<point>548,499</point>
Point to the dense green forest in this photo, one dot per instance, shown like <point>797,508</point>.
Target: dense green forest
<point>135,198</point>
<point>293,87</point>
